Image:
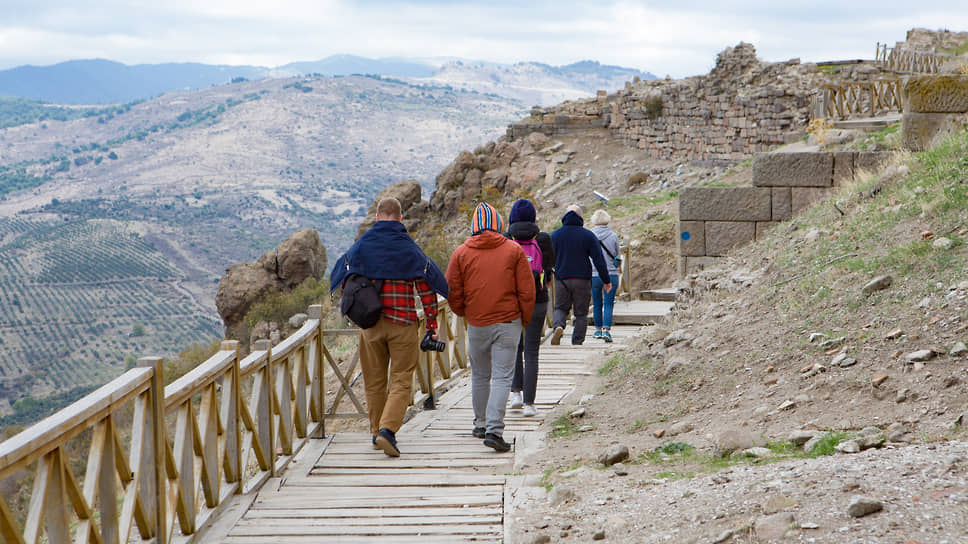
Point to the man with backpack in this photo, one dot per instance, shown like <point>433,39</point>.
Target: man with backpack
<point>397,267</point>
<point>576,249</point>
<point>541,256</point>
<point>492,286</point>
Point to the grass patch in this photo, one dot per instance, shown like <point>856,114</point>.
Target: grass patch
<point>562,427</point>
<point>622,365</point>
<point>827,444</point>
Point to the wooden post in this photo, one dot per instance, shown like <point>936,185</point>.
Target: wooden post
<point>264,416</point>
<point>318,386</point>
<point>154,482</point>
<point>231,397</point>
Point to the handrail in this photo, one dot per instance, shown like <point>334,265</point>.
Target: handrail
<point>869,98</point>
<point>163,461</point>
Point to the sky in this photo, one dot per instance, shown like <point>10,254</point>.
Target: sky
<point>678,38</point>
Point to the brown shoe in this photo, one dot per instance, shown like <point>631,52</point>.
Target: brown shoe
<point>556,336</point>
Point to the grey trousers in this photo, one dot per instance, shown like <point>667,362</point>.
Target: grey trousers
<point>491,350</point>
<point>574,294</point>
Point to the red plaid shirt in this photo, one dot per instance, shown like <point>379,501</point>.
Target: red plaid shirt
<point>398,304</point>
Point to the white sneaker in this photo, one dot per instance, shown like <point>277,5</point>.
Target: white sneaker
<point>530,410</point>
<point>517,400</point>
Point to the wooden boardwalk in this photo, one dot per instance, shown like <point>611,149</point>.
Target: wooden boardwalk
<point>445,487</point>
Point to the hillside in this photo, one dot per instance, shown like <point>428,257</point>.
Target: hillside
<point>127,215</point>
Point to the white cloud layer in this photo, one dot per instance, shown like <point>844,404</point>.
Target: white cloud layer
<point>678,38</point>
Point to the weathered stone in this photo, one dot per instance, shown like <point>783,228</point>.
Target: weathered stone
<point>297,320</point>
<point>620,469</point>
<point>614,454</point>
<point>781,204</point>
<point>721,236</point>
<point>935,94</point>
<point>843,166</point>
<point>802,198</point>
<point>877,284</point>
<point>799,438</point>
<point>871,161</point>
<point>691,241</point>
<point>919,130</point>
<point>725,204</point>
<point>958,349</point>
<point>861,506</point>
<point>793,170</point>
<point>757,452</point>
<point>919,355</point>
<point>732,440</point>
<point>681,427</point>
<point>560,494</point>
<point>943,243</point>
<point>407,192</point>
<point>848,446</point>
<point>775,527</point>
<point>764,227</point>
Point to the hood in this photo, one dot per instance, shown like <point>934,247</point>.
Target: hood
<point>523,230</point>
<point>572,219</point>
<point>602,232</point>
<point>487,239</point>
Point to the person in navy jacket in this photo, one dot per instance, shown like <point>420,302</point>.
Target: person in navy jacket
<point>576,249</point>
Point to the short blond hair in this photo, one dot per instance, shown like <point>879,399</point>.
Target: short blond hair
<point>389,207</point>
<point>575,208</point>
<point>601,217</point>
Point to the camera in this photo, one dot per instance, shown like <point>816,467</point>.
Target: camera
<point>429,344</point>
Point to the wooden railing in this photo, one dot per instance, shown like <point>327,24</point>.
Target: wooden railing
<point>162,461</point>
<point>908,61</point>
<point>869,98</point>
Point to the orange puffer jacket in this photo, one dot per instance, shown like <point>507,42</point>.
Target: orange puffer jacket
<point>490,281</point>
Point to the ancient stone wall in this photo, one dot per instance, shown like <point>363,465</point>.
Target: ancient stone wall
<point>713,220</point>
<point>741,107</point>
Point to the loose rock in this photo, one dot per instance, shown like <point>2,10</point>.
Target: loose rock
<point>919,355</point>
<point>877,284</point>
<point>614,455</point>
<point>861,506</point>
<point>958,349</point>
<point>560,494</point>
<point>774,527</point>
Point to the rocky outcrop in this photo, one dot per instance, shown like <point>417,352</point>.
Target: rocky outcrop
<point>299,257</point>
<point>408,193</point>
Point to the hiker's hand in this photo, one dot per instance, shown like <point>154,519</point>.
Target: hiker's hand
<point>608,287</point>
<point>434,336</point>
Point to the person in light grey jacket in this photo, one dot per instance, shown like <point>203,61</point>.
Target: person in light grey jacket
<point>603,301</point>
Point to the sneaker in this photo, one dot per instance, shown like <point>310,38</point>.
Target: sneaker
<point>556,337</point>
<point>387,441</point>
<point>607,336</point>
<point>492,440</point>
<point>479,432</point>
<point>516,400</point>
<point>598,333</point>
<point>530,410</point>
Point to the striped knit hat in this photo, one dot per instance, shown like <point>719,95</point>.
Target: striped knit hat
<point>486,218</point>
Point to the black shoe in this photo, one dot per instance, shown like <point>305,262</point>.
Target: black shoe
<point>478,432</point>
<point>492,440</point>
<point>387,441</point>
<point>374,444</point>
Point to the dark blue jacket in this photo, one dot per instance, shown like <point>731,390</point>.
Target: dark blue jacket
<point>574,245</point>
<point>387,252</point>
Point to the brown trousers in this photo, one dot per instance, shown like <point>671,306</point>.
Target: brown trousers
<point>388,357</point>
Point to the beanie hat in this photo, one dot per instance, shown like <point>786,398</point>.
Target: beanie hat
<point>522,210</point>
<point>486,218</point>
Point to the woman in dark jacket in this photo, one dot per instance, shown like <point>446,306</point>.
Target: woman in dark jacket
<point>522,228</point>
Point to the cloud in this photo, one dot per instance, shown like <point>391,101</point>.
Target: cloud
<point>679,38</point>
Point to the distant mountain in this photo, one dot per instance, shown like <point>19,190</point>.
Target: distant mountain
<point>101,81</point>
<point>342,65</point>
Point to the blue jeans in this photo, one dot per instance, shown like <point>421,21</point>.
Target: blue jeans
<point>600,307</point>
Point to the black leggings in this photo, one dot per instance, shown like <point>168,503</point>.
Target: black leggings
<point>526,365</point>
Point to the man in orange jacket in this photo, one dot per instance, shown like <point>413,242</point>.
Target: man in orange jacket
<point>491,285</point>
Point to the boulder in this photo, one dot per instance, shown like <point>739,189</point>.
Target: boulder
<point>299,257</point>
<point>408,193</point>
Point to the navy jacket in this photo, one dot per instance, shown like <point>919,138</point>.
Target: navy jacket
<point>387,252</point>
<point>574,245</point>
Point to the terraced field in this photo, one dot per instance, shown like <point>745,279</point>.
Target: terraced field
<point>82,299</point>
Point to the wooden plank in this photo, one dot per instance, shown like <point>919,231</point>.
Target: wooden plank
<point>415,518</point>
<point>383,512</point>
<point>406,462</point>
<point>355,539</point>
<point>475,499</point>
<point>462,479</point>
<point>326,529</point>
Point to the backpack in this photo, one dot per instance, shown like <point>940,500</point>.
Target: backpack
<point>361,300</point>
<point>533,252</point>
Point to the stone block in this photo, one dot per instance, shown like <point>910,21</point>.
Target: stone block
<point>793,170</point>
<point>919,130</point>
<point>803,197</point>
<point>782,209</point>
<point>691,239</point>
<point>721,236</point>
<point>691,265</point>
<point>762,227</point>
<point>843,166</point>
<point>935,94</point>
<point>871,161</point>
<point>725,204</point>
